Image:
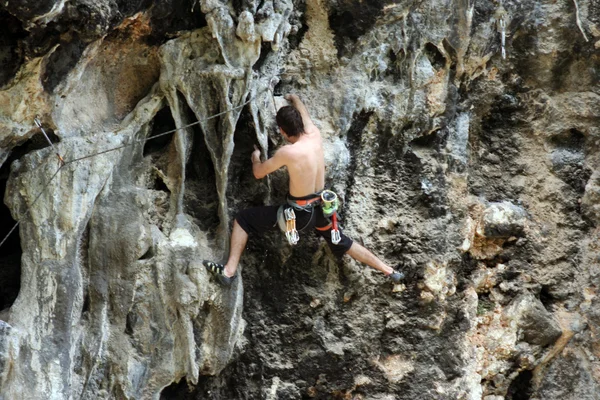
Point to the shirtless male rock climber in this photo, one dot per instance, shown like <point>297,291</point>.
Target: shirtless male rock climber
<point>305,163</point>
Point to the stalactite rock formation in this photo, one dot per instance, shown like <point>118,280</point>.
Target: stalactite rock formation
<point>461,136</point>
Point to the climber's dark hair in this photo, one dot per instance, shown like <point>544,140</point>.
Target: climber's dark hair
<point>290,120</point>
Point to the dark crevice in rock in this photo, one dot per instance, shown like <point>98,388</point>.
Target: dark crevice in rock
<point>200,197</point>
<point>36,142</point>
<point>452,101</point>
<point>391,147</point>
<point>468,265</point>
<point>431,141</point>
<point>499,149</point>
<point>261,125</point>
<point>271,145</point>
<point>451,51</point>
<point>350,20</point>
<point>482,12</point>
<point>10,255</point>
<point>398,67</point>
<point>520,388</point>
<point>163,122</point>
<point>84,261</point>
<point>26,9</point>
<point>505,112</point>
<point>178,391</point>
<point>199,325</point>
<point>546,297</point>
<point>432,179</point>
<point>130,322</point>
<point>238,6</point>
<point>159,184</point>
<point>568,160</point>
<point>231,92</point>
<point>354,139</point>
<point>61,61</point>
<point>71,30</point>
<point>265,50</point>
<point>573,139</point>
<point>42,39</point>
<point>436,58</point>
<point>148,254</point>
<point>128,8</point>
<point>278,91</point>
<point>298,19</point>
<point>563,64</point>
<point>169,17</point>
<point>262,12</point>
<point>243,189</point>
<point>86,304</point>
<point>249,365</point>
<point>11,57</point>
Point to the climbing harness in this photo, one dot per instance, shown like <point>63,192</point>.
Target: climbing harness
<point>306,203</point>
<point>64,163</point>
<point>286,216</point>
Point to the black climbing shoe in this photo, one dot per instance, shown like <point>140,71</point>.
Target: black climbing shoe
<point>218,270</point>
<point>396,276</point>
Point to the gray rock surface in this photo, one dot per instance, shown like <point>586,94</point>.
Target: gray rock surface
<point>473,172</point>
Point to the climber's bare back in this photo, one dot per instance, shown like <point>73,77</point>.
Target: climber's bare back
<point>303,158</point>
<point>305,163</point>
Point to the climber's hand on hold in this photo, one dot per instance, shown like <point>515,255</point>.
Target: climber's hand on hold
<point>255,155</point>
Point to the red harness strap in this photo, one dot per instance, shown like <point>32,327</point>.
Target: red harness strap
<point>324,228</point>
<point>303,203</point>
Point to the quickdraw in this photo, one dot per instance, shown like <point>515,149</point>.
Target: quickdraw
<point>335,232</point>
<point>330,204</point>
<point>290,226</point>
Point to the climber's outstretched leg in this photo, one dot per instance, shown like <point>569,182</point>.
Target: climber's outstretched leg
<point>345,245</point>
<point>239,238</point>
<point>226,272</point>
<point>255,221</point>
<point>360,253</point>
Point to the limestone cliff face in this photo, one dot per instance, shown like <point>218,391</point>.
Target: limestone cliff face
<point>462,136</point>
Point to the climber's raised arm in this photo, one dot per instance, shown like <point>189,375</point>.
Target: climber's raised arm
<point>309,126</point>
<point>261,169</point>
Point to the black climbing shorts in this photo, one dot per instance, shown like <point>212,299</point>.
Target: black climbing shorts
<point>258,220</point>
